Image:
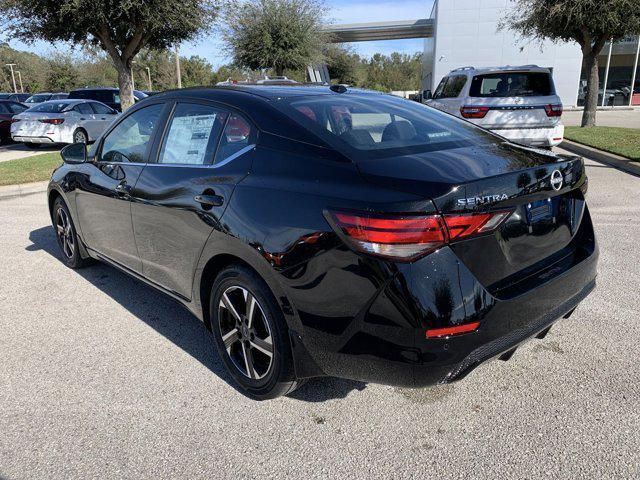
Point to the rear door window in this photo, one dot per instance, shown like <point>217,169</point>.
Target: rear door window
<point>192,135</point>
<point>453,86</point>
<point>84,109</point>
<point>100,109</point>
<point>511,84</point>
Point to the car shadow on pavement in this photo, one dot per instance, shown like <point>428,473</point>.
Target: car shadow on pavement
<point>174,322</point>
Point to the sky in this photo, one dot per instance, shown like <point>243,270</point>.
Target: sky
<point>340,11</point>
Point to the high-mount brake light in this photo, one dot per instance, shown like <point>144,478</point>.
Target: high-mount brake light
<point>408,237</point>
<point>473,112</point>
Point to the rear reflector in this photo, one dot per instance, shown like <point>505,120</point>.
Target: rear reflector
<point>448,331</point>
<point>553,110</point>
<point>473,112</point>
<point>407,237</point>
<point>53,121</point>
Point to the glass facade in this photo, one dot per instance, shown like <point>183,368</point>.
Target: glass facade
<point>622,59</point>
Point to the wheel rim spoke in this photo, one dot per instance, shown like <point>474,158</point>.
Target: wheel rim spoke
<point>248,361</point>
<point>251,308</point>
<point>265,346</point>
<point>230,338</point>
<point>229,306</point>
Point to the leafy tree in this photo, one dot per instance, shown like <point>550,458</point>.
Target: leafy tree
<point>119,27</point>
<point>591,23</point>
<point>344,66</point>
<point>62,74</point>
<point>275,34</point>
<point>32,67</point>
<point>196,71</point>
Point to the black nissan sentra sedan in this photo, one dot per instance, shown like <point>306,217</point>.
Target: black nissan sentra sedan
<point>332,231</point>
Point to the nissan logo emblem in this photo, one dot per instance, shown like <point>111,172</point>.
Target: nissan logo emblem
<point>556,180</point>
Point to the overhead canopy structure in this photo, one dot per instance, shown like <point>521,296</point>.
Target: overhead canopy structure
<point>396,30</point>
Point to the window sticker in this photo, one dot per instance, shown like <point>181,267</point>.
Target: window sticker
<point>188,139</point>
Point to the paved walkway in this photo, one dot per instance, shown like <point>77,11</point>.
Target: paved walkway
<point>19,150</point>
<point>606,118</point>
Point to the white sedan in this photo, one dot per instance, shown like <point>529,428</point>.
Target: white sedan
<point>62,121</point>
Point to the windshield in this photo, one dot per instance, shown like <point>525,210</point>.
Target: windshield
<point>382,124</point>
<point>49,107</point>
<point>511,84</point>
<point>38,98</point>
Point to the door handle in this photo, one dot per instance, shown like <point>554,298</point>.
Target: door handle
<point>209,200</point>
<point>82,118</point>
<point>123,189</point>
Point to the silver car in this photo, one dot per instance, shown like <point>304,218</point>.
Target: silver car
<point>518,103</point>
<point>62,121</point>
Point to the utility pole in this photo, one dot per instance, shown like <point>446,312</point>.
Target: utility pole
<point>20,78</point>
<point>149,75</point>
<point>178,76</point>
<point>13,76</point>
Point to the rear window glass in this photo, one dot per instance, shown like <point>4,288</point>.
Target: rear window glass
<point>50,107</point>
<point>38,98</point>
<point>511,84</point>
<point>381,123</point>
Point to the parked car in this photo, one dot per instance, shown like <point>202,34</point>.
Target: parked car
<point>332,231</point>
<point>518,103</point>
<point>62,121</point>
<point>8,109</point>
<point>107,95</point>
<point>45,97</point>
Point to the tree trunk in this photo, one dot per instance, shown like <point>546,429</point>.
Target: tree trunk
<point>591,97</point>
<point>125,84</point>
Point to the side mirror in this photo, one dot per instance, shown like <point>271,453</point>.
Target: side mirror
<point>74,153</point>
<point>427,95</point>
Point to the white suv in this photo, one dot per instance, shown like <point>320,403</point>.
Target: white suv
<point>518,103</point>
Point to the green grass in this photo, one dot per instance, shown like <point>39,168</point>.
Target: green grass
<point>621,141</point>
<point>30,169</point>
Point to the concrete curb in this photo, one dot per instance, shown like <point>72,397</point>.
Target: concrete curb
<point>12,191</point>
<point>621,163</point>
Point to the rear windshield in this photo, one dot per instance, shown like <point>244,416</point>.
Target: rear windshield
<point>104,96</point>
<point>49,107</point>
<point>381,124</point>
<point>511,84</point>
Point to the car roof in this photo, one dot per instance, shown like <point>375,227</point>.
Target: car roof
<point>504,68</point>
<point>268,92</point>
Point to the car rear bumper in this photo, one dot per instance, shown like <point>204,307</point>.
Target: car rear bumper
<point>386,342</point>
<point>535,137</point>
<point>23,139</point>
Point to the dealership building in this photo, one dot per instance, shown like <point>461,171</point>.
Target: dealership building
<point>461,33</point>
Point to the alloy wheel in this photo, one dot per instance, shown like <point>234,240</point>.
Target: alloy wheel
<point>65,233</point>
<point>79,137</point>
<point>245,332</point>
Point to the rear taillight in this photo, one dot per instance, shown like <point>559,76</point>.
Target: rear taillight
<point>553,110</point>
<point>407,237</point>
<point>473,112</point>
<point>15,120</point>
<point>53,121</point>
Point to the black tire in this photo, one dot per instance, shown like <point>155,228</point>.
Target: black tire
<point>66,236</point>
<point>80,136</point>
<point>279,377</point>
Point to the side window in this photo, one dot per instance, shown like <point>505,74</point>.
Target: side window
<point>454,86</point>
<point>238,134</point>
<point>84,109</point>
<point>16,108</point>
<point>100,109</point>
<point>192,135</point>
<point>128,141</point>
<point>4,108</point>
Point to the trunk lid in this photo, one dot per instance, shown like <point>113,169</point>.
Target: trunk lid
<point>541,189</point>
<point>515,112</point>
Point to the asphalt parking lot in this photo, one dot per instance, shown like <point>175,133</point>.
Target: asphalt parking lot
<point>102,377</point>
